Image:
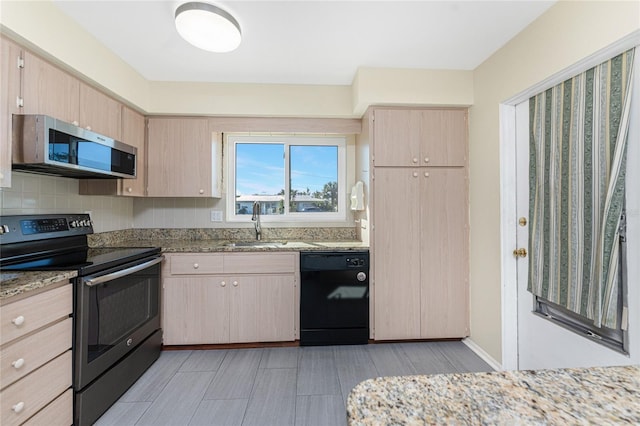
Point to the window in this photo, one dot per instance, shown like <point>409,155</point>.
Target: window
<point>292,178</point>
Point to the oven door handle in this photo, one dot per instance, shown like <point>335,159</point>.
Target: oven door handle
<point>115,275</point>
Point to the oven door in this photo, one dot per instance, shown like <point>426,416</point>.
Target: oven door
<point>116,310</point>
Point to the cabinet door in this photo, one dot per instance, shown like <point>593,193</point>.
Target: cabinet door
<point>179,161</point>
<point>99,113</point>
<point>9,93</point>
<point>396,140</point>
<point>396,254</point>
<point>133,128</point>
<point>262,308</point>
<point>49,90</point>
<point>444,248</point>
<point>195,311</point>
<point>444,137</point>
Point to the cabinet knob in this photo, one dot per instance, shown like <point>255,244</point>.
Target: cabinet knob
<point>88,128</point>
<point>17,364</point>
<point>426,159</point>
<point>129,189</point>
<point>75,122</point>
<point>18,321</point>
<point>415,160</point>
<point>201,191</point>
<point>18,407</point>
<point>196,266</point>
<point>415,174</point>
<point>235,283</point>
<point>223,284</point>
<point>426,174</point>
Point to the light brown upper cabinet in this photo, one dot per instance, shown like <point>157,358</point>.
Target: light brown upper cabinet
<point>9,97</point>
<point>48,90</point>
<point>183,158</point>
<point>99,113</point>
<point>420,137</point>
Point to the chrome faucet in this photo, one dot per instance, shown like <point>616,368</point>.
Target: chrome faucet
<point>256,219</point>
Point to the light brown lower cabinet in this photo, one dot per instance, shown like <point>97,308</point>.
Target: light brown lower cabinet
<point>35,359</point>
<point>420,254</point>
<point>229,298</point>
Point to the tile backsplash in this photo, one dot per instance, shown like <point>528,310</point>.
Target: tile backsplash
<point>38,194</point>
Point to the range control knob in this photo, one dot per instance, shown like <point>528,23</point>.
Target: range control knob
<point>4,229</point>
<point>74,224</point>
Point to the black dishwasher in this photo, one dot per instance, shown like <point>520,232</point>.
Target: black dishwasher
<point>334,298</point>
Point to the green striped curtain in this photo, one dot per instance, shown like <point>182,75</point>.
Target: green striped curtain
<point>578,134</point>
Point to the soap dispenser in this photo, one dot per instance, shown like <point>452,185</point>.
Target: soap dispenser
<point>357,196</point>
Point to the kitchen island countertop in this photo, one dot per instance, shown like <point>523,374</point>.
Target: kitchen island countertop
<point>599,395</point>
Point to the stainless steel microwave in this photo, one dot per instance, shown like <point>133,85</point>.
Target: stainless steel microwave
<point>45,145</point>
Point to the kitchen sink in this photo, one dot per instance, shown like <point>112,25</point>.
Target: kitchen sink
<point>270,244</point>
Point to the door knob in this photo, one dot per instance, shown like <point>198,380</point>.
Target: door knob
<point>521,252</point>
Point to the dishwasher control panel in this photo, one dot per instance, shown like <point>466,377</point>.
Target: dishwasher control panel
<point>334,260</point>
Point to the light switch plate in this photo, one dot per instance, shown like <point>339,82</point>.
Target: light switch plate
<point>216,215</point>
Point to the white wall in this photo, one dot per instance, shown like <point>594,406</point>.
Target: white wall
<point>36,194</point>
<point>565,34</point>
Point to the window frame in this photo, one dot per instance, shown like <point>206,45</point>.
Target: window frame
<point>288,140</point>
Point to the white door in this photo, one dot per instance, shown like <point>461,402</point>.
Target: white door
<point>541,343</point>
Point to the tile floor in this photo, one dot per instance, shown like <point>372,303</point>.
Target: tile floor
<point>274,386</point>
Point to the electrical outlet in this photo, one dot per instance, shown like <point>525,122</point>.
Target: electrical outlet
<point>216,215</point>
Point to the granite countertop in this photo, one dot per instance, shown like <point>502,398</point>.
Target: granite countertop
<point>599,395</point>
<point>212,246</point>
<point>17,283</point>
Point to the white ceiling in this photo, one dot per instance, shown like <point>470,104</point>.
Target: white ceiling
<point>308,42</point>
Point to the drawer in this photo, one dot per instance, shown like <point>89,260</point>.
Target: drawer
<point>58,413</point>
<point>259,263</point>
<point>27,396</point>
<point>33,351</point>
<point>190,264</point>
<point>31,313</point>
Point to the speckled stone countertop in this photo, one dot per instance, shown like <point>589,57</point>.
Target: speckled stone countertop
<point>212,246</point>
<point>599,395</point>
<point>17,283</point>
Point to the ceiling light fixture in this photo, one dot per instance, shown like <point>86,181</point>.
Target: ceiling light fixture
<point>208,27</point>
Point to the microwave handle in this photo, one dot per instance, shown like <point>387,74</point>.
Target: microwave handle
<point>115,275</point>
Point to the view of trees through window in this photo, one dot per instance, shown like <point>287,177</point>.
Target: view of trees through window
<point>262,171</point>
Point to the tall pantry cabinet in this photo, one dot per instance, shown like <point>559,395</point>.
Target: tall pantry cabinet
<point>419,217</point>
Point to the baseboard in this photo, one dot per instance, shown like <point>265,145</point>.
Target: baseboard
<point>482,354</point>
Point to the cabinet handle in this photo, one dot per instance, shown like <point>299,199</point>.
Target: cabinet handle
<point>223,284</point>
<point>18,321</point>
<point>17,364</point>
<point>426,159</point>
<point>201,191</point>
<point>196,266</point>
<point>415,160</point>
<point>235,283</point>
<point>426,174</point>
<point>415,174</point>
<point>18,407</point>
